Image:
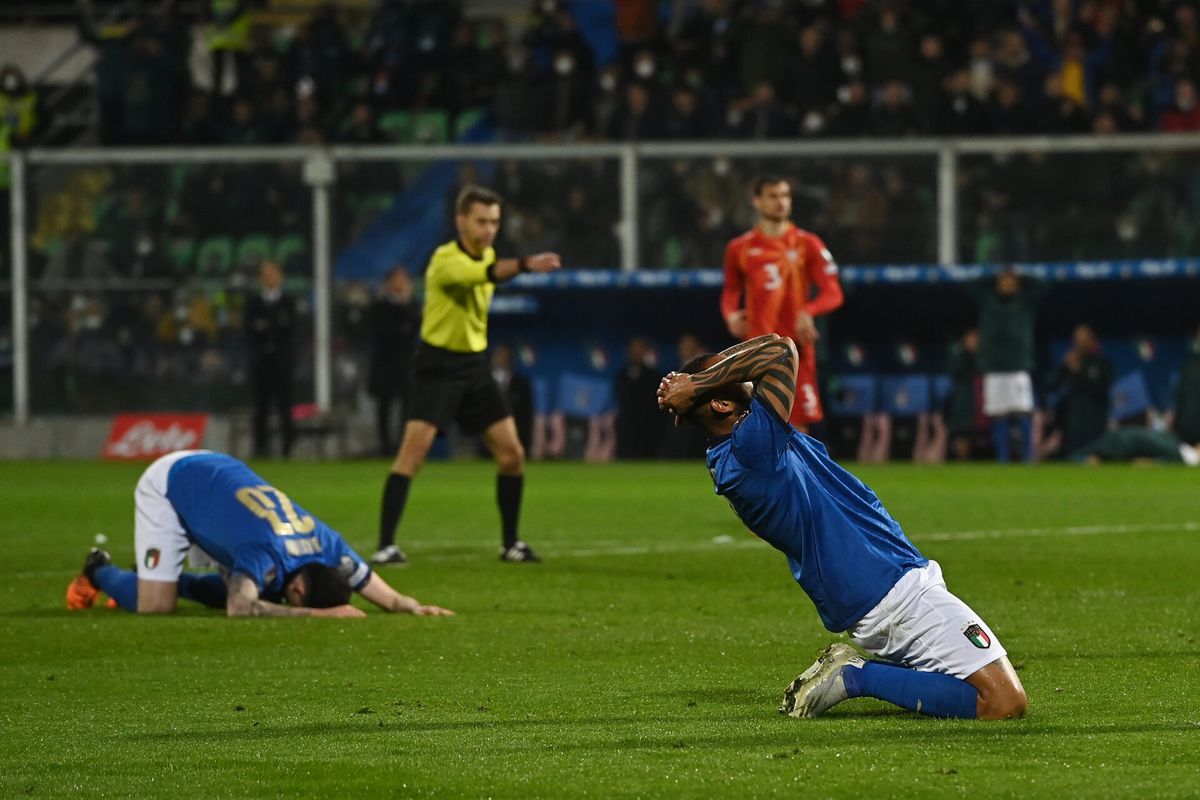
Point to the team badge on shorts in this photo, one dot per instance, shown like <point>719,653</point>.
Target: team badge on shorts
<point>977,636</point>
<point>152,556</point>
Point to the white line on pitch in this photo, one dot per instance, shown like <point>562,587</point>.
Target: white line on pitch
<point>749,542</point>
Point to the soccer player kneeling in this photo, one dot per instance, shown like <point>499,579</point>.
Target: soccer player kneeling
<point>937,657</point>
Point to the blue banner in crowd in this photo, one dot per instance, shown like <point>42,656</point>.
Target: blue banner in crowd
<point>1059,272</point>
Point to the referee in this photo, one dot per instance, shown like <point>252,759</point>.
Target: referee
<point>452,380</point>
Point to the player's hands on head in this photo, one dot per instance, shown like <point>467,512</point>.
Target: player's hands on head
<point>806,329</point>
<point>339,611</point>
<point>543,262</point>
<point>676,393</point>
<point>737,325</point>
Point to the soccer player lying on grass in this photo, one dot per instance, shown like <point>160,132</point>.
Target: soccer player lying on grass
<point>268,548</point>
<point>851,558</point>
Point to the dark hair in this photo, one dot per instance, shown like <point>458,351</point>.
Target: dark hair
<point>472,194</point>
<point>325,587</point>
<point>767,179</point>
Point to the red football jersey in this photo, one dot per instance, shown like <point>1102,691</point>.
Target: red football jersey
<point>772,279</point>
<point>776,275</point>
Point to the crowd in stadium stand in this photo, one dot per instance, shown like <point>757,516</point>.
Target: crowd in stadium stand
<point>417,69</point>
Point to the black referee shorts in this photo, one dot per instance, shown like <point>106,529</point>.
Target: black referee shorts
<point>455,387</point>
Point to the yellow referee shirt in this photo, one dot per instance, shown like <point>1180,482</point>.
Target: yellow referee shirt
<point>457,296</point>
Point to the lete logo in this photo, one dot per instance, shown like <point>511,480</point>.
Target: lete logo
<point>148,436</point>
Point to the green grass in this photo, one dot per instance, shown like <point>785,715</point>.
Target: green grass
<point>645,658</point>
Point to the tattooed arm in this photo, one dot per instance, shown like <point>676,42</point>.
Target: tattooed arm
<point>746,345</point>
<point>769,361</point>
<point>244,601</point>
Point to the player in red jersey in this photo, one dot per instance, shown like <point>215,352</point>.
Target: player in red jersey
<point>771,272</point>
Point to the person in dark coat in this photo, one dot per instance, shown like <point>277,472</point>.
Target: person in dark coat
<point>639,425</point>
<point>395,321</point>
<point>1187,396</point>
<point>1086,374</point>
<point>271,327</point>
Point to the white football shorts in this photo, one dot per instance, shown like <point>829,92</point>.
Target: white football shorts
<point>159,540</point>
<point>921,625</point>
<point>1007,393</point>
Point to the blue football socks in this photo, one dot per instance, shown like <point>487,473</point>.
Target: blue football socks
<point>121,585</point>
<point>1000,438</point>
<point>1025,426</point>
<point>929,693</point>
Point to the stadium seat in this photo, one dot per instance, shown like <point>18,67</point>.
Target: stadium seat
<point>252,250</point>
<point>431,127</point>
<point>289,249</point>
<point>852,395</point>
<point>905,395</point>
<point>214,256</point>
<point>1129,396</point>
<point>467,119</point>
<point>397,126</point>
<point>584,396</point>
<point>181,252</point>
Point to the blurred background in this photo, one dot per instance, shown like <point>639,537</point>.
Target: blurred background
<point>155,155</point>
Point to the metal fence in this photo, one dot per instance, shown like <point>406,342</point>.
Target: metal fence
<point>95,234</point>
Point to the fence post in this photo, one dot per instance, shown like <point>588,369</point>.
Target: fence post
<point>319,174</point>
<point>629,208</point>
<point>947,205</point>
<point>20,289</point>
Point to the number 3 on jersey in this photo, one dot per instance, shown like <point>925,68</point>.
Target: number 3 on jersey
<point>774,277</point>
<point>267,502</point>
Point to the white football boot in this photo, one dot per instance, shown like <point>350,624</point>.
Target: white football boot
<point>821,687</point>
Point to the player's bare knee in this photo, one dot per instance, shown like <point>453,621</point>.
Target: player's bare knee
<point>1009,703</point>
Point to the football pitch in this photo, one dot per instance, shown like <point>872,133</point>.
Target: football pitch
<point>645,658</point>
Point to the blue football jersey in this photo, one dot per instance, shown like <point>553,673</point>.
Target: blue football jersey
<point>844,549</point>
<point>248,526</point>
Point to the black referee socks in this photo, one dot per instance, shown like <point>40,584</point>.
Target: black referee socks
<point>395,494</point>
<point>508,497</point>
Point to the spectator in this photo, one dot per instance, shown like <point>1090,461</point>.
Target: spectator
<point>20,115</point>
<point>893,116</point>
<point>1187,396</point>
<point>360,127</point>
<point>758,115</point>
<point>568,91</point>
<point>1060,111</point>
<point>1138,444</point>
<point>637,118</point>
<point>959,112</point>
<point>851,116</point>
<point>271,327</point>
<point>929,71</point>
<point>520,101</point>
<point>1009,115</point>
<point>394,321</point>
<point>1006,314</point>
<point>1184,115</point>
<point>813,77</point>
<point>227,38</point>
<point>964,407</point>
<point>1086,376</point>
<point>639,424</point>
